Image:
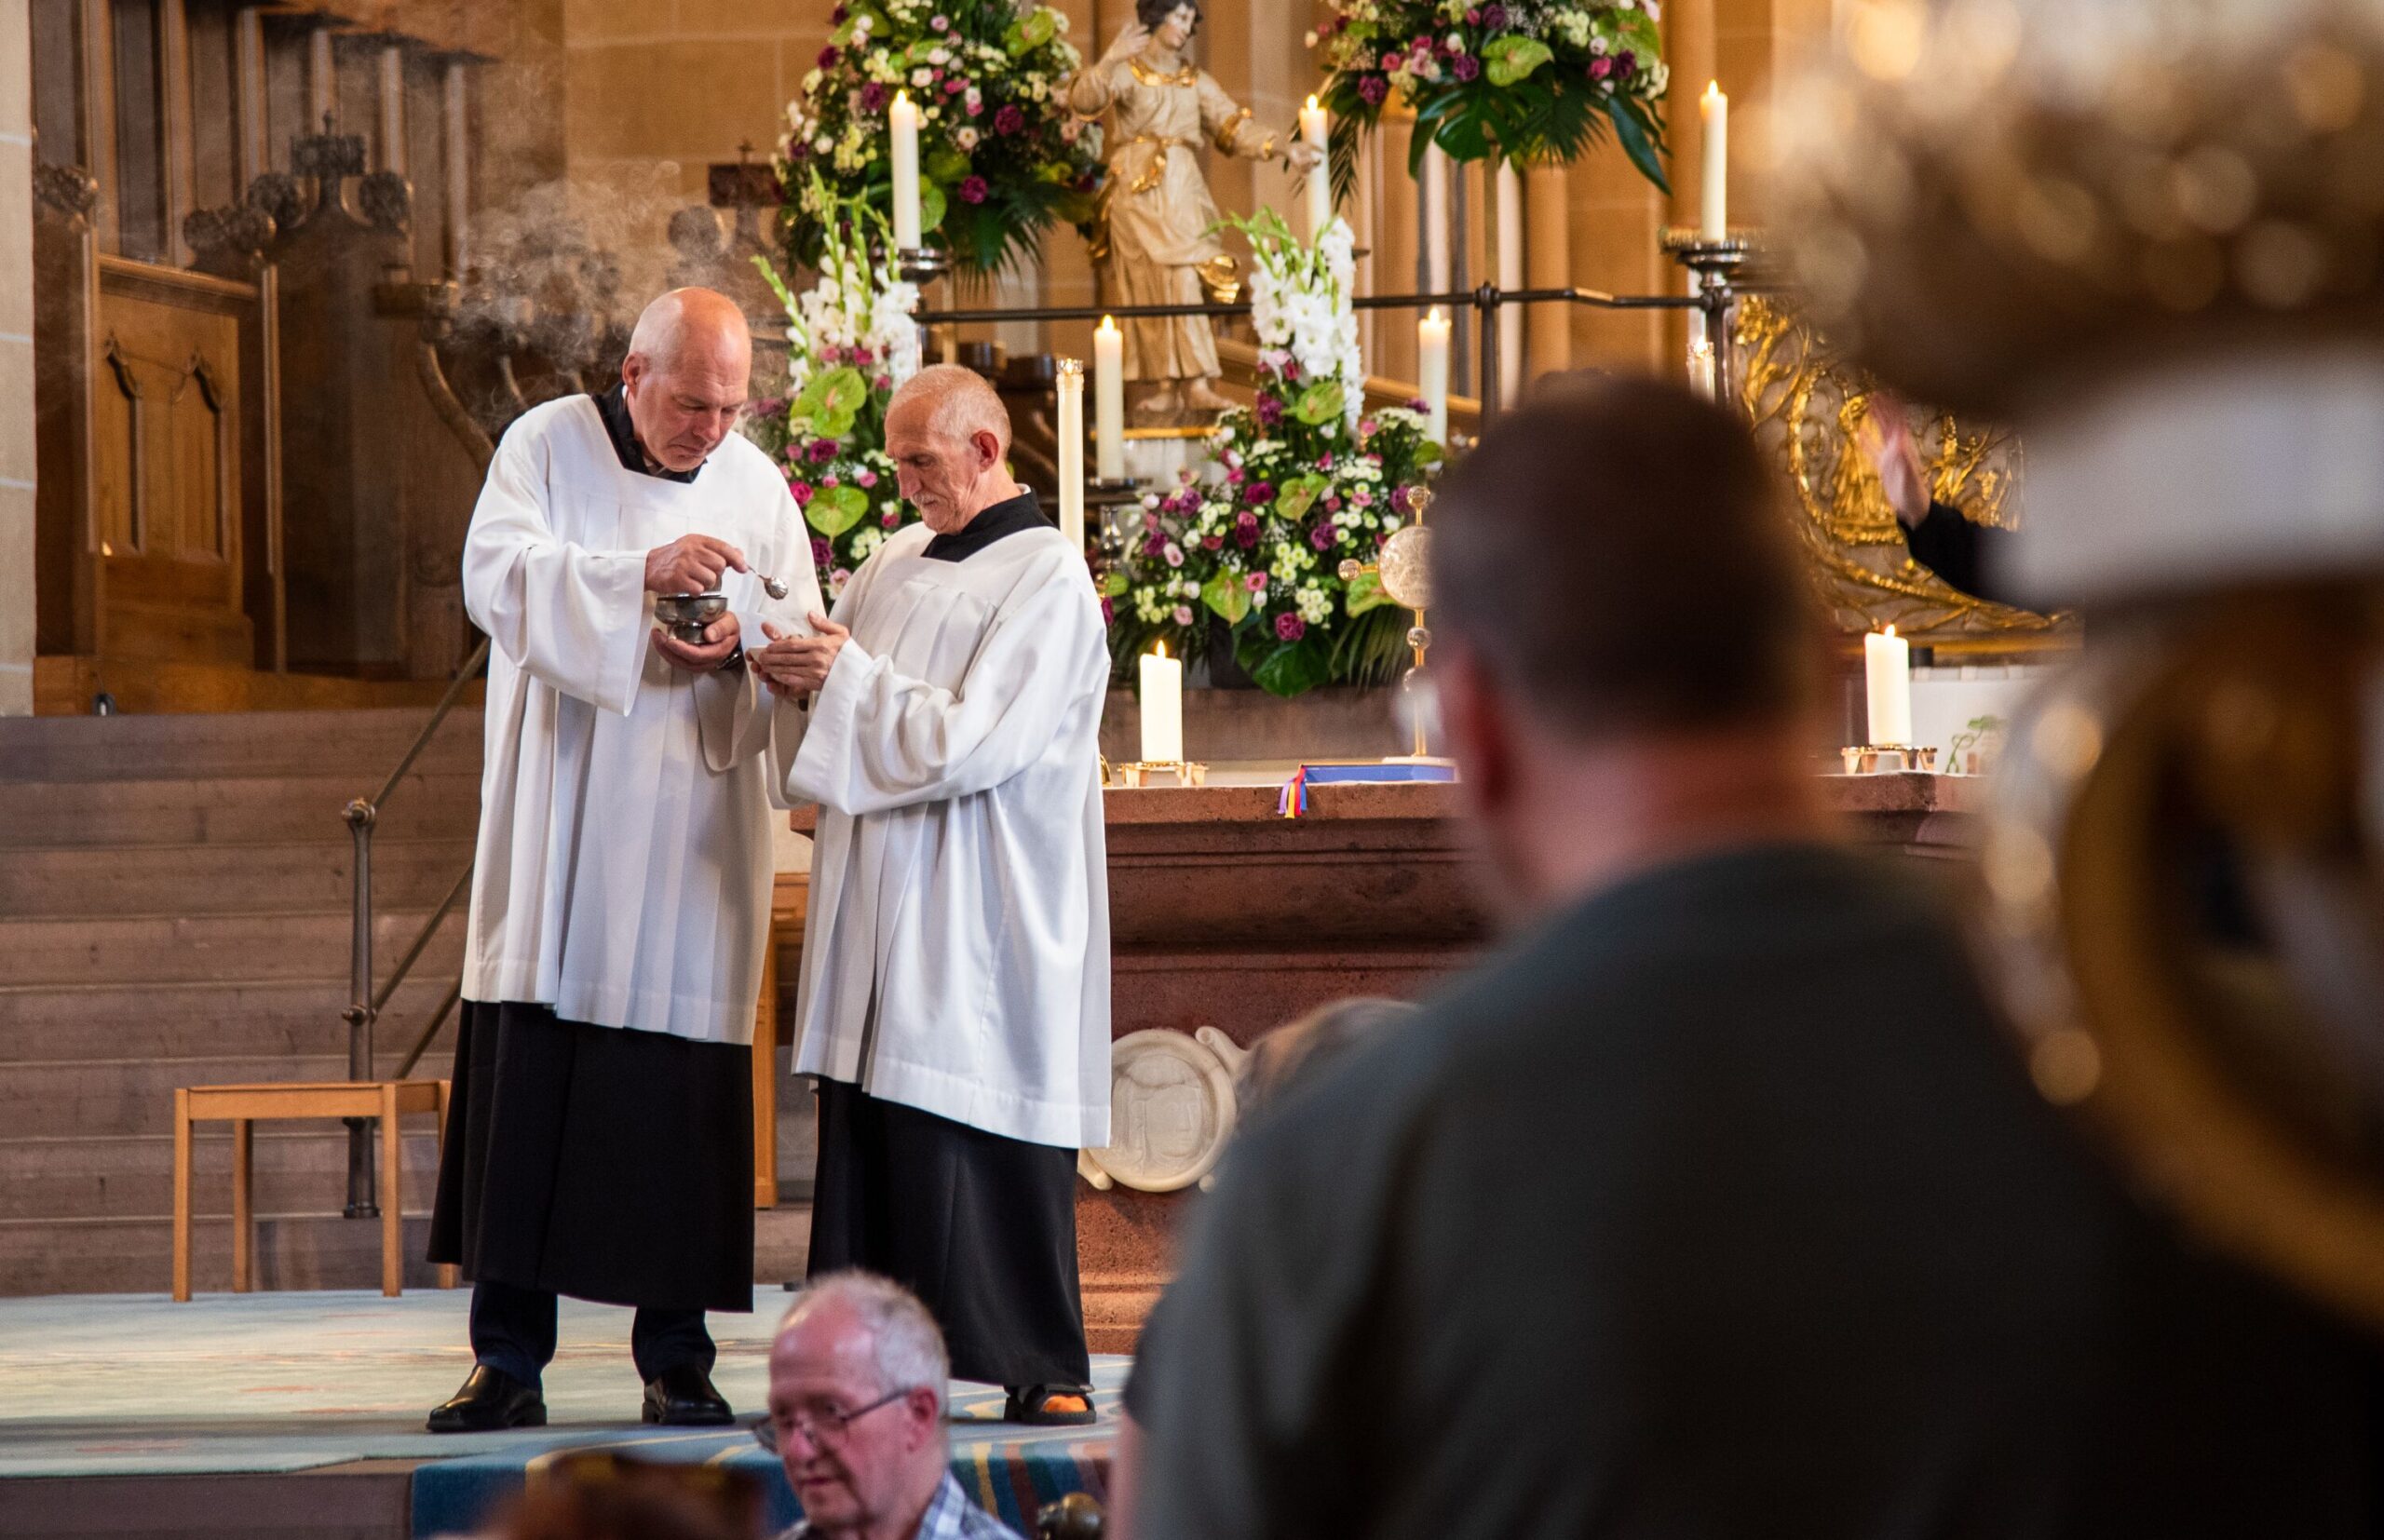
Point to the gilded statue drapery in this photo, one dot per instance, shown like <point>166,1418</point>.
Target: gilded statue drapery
<point>1157,242</point>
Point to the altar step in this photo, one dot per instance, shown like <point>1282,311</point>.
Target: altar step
<point>174,910</point>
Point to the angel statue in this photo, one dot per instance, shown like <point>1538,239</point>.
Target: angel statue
<point>1156,242</point>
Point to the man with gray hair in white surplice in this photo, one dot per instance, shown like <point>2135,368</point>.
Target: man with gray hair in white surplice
<point>954,999</point>
<point>600,1140</point>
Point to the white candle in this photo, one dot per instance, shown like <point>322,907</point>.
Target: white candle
<point>902,119</point>
<point>1162,708</point>
<point>1072,452</point>
<point>1887,665</point>
<point>1703,376</point>
<point>1319,177</point>
<point>1511,278</point>
<point>1436,218</point>
<point>1432,371</point>
<point>1717,108</point>
<point>1109,397</point>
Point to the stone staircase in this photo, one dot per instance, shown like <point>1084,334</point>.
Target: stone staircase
<point>174,910</point>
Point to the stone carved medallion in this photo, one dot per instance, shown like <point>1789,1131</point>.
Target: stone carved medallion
<point>1171,1110</point>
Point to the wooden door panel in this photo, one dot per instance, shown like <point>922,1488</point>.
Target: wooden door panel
<point>167,488</point>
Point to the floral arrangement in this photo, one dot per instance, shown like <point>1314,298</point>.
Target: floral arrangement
<point>851,342</point>
<point>1302,481</point>
<point>1529,81</point>
<point>1000,156</point>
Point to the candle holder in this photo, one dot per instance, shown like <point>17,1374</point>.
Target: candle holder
<point>921,264</point>
<point>1139,773</point>
<point>1889,759</point>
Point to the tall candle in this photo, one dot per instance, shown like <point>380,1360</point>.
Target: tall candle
<point>1436,218</point>
<point>1109,397</point>
<point>902,119</point>
<point>1162,708</point>
<point>1717,109</point>
<point>1319,177</point>
<point>1511,278</point>
<point>1432,371</point>
<point>1886,665</point>
<point>1072,452</point>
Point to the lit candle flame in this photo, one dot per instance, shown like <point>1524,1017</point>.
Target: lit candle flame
<point>1159,651</point>
<point>1891,631</point>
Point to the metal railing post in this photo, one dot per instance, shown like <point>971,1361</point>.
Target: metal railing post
<point>1486,310</point>
<point>363,1199</point>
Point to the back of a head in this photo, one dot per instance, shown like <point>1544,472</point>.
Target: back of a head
<point>606,1498</point>
<point>1298,1051</point>
<point>1612,552</point>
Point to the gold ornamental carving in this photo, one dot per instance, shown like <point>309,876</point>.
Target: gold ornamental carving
<point>1805,405</point>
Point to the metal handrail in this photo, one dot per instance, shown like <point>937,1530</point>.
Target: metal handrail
<point>1716,300</point>
<point>364,1004</point>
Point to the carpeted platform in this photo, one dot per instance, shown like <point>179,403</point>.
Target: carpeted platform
<point>133,1385</point>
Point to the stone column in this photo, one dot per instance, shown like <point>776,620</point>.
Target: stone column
<point>16,362</point>
<point>1548,256</point>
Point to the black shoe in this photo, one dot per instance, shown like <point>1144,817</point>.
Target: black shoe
<point>1050,1405</point>
<point>684,1397</point>
<point>491,1400</point>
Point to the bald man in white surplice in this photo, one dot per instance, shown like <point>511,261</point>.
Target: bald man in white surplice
<point>601,1128</point>
<point>955,1001</point>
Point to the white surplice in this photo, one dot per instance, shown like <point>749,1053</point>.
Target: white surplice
<point>624,859</point>
<point>957,958</point>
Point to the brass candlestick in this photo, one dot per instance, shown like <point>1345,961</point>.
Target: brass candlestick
<point>1405,564</point>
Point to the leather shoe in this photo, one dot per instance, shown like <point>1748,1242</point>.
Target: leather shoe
<point>684,1397</point>
<point>491,1400</point>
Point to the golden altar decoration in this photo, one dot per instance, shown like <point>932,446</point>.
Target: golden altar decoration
<point>1805,403</point>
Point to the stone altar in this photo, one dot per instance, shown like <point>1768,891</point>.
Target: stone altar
<point>1225,915</point>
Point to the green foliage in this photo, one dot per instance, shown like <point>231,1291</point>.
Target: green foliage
<point>1539,84</point>
<point>1000,159</point>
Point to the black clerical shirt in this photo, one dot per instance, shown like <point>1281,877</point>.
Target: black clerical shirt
<point>993,521</point>
<point>614,407</point>
<point>1721,1207</point>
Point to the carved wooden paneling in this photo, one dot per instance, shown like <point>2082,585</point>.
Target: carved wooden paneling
<point>168,489</point>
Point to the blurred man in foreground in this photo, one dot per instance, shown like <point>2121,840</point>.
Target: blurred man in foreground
<point>1715,1208</point>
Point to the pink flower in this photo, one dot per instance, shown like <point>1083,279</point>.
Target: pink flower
<point>822,552</point>
<point>1320,537</point>
<point>1183,615</point>
<point>1175,554</point>
<point>1255,582</point>
<point>1361,497</point>
<point>829,482</point>
<point>1289,627</point>
<point>828,58</point>
<point>886,382</point>
<point>1009,120</point>
<point>800,491</point>
<point>865,478</point>
<point>1108,614</point>
<point>892,521</point>
<point>973,190</point>
<point>863,357</point>
<point>939,24</point>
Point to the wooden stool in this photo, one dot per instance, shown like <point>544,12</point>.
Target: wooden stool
<point>385,1100</point>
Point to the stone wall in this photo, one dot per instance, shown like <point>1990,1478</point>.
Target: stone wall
<point>16,363</point>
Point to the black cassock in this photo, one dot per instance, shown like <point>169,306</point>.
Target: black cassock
<point>598,1162</point>
<point>1956,550</point>
<point>981,1228</point>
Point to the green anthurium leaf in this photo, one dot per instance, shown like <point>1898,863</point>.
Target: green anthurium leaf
<point>931,206</point>
<point>1321,402</point>
<point>1294,668</point>
<point>1299,494</point>
<point>831,401</point>
<point>1509,58</point>
<point>1224,593</point>
<point>834,510</point>
<point>947,164</point>
<point>1037,27</point>
<point>1365,593</point>
<point>1637,32</point>
<point>843,34</point>
<point>1113,585</point>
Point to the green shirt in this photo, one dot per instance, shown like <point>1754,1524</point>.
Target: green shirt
<point>1717,1208</point>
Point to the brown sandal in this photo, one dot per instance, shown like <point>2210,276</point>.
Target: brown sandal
<point>1049,1406</point>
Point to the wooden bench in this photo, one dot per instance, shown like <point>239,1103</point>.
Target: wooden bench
<point>246,1105</point>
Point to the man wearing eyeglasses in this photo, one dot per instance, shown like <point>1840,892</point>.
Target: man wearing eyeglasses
<point>856,1401</point>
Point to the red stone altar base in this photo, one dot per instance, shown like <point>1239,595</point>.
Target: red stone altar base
<point>1224,914</point>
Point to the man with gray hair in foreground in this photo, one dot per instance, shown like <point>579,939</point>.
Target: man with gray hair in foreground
<point>954,999</point>
<point>857,1374</point>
